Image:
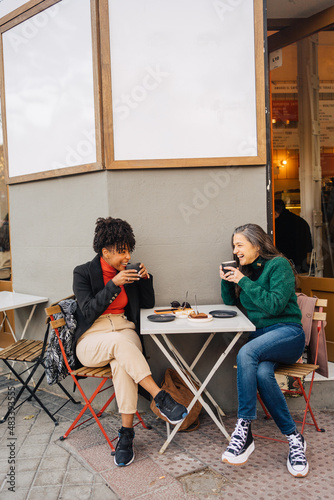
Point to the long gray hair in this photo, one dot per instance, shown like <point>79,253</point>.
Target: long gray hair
<point>258,238</point>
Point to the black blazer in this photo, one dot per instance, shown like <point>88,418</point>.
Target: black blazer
<point>94,297</point>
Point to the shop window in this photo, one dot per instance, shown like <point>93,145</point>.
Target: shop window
<point>285,137</point>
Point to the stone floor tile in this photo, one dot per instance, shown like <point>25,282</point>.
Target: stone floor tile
<point>172,491</point>
<point>45,493</point>
<point>178,464</point>
<point>79,476</point>
<point>72,492</point>
<point>23,465</point>
<point>31,451</point>
<point>102,491</point>
<point>49,477</point>
<point>54,462</point>
<point>323,491</point>
<point>35,439</point>
<point>3,465</point>
<point>24,479</point>
<point>86,437</point>
<point>20,494</point>
<point>204,484</point>
<point>55,449</point>
<point>99,457</point>
<point>73,464</point>
<point>144,477</point>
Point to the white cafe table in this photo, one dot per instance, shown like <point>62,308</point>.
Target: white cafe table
<point>12,300</point>
<point>237,325</point>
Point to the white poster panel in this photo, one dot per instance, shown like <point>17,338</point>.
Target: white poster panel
<point>49,94</point>
<point>183,79</point>
<point>7,6</point>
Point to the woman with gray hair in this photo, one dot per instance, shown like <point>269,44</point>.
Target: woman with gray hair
<point>264,284</point>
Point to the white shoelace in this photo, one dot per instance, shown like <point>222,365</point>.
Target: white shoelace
<point>239,436</point>
<point>297,453</point>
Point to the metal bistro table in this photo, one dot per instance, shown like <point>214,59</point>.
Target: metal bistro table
<point>13,300</point>
<point>237,324</point>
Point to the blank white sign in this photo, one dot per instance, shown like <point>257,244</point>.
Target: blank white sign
<point>183,78</point>
<point>49,91</point>
<point>7,6</point>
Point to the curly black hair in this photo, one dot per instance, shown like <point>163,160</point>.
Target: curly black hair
<point>113,233</point>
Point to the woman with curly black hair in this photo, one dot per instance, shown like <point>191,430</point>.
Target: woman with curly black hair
<point>109,297</point>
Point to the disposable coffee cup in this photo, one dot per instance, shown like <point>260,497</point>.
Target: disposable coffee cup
<point>228,263</point>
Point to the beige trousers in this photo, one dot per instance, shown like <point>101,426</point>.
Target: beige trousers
<point>113,339</point>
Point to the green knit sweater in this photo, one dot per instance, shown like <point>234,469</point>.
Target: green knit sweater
<point>271,298</point>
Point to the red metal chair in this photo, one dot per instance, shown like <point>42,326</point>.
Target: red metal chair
<point>299,371</point>
<point>103,373</point>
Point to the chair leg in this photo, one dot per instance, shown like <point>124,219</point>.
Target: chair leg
<point>94,415</point>
<point>38,384</point>
<point>308,406</point>
<point>32,392</point>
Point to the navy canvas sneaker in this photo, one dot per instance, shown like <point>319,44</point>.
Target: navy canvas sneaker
<point>169,408</point>
<point>241,444</point>
<point>124,454</point>
<point>297,463</point>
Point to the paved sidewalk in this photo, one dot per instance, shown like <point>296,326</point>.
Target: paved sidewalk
<point>81,467</point>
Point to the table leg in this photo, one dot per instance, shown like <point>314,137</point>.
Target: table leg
<point>23,332</point>
<point>190,368</point>
<point>197,394</point>
<point>5,318</point>
<point>28,321</point>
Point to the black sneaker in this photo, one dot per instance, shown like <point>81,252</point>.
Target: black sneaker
<point>124,454</point>
<point>169,408</point>
<point>297,463</point>
<point>241,444</point>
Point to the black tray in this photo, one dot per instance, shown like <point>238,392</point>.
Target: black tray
<point>223,313</point>
<point>161,318</point>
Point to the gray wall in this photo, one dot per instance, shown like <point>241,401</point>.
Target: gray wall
<point>182,219</point>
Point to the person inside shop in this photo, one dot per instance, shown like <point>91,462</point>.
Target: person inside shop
<point>109,298</point>
<point>5,266</point>
<point>264,285</point>
<point>293,237</point>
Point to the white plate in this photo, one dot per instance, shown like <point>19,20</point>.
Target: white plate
<point>201,320</point>
<point>183,314</point>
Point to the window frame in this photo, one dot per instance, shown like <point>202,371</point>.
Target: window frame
<point>11,20</point>
<point>259,159</point>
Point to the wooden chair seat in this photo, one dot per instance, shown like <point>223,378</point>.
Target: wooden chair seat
<point>31,353</point>
<point>298,370</point>
<point>23,350</point>
<point>84,371</point>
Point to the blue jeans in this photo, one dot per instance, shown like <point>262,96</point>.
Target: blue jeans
<point>257,360</point>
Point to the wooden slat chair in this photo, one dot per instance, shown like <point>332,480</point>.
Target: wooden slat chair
<point>300,370</point>
<point>103,373</point>
<point>31,353</point>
